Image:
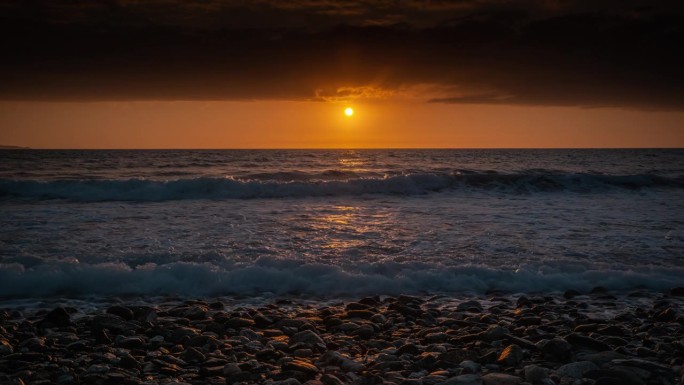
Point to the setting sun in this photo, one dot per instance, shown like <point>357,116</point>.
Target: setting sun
<point>349,111</point>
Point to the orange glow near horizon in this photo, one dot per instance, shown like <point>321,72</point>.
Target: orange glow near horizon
<point>290,124</point>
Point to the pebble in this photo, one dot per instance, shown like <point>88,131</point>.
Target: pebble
<point>406,340</point>
<point>575,369</point>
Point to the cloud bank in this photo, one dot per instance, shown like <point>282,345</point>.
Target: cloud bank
<point>588,53</point>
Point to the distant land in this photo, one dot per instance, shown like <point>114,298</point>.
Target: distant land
<point>3,147</point>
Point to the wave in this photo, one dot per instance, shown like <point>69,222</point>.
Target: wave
<point>411,184</point>
<point>281,277</point>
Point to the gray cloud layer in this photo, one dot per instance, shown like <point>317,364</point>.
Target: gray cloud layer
<point>593,53</point>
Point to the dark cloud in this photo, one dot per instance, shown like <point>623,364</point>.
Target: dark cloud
<point>593,53</point>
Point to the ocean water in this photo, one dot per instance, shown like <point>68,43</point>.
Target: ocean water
<point>338,222</point>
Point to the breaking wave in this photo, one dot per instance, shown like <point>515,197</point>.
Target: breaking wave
<point>84,190</point>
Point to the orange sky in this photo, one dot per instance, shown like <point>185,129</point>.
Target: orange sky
<point>296,124</point>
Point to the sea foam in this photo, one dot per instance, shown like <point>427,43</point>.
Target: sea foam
<point>281,277</point>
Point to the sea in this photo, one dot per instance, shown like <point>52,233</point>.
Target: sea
<point>333,223</point>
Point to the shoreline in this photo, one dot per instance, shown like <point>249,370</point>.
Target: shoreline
<point>598,338</point>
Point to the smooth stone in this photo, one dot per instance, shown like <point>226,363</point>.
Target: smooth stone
<point>289,381</point>
<point>642,364</point>
<point>111,322</point>
<point>556,349</point>
<point>329,379</point>
<point>58,317</point>
<point>130,342</point>
<point>470,367</point>
<point>6,347</point>
<point>601,358</point>
<point>300,366</point>
<point>364,332</point>
<point>411,349</point>
<point>511,356</point>
<point>231,370</point>
<point>303,353</point>
<point>464,379</point>
<point>129,362</point>
<point>493,333</point>
<point>193,355</point>
<point>576,369</point>
<point>500,379</point>
<point>121,311</point>
<point>362,314</point>
<point>617,377</point>
<point>308,337</point>
<point>587,342</point>
<point>468,305</point>
<point>529,321</point>
<point>237,323</point>
<point>535,373</point>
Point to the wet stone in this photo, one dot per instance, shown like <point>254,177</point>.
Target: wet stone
<point>121,311</point>
<point>511,356</point>
<point>58,317</point>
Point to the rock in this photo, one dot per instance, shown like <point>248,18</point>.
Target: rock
<point>580,341</point>
<point>329,379</point>
<point>436,337</point>
<point>411,349</point>
<point>667,315</point>
<point>58,317</point>
<point>601,357</point>
<point>642,364</point>
<point>361,314</point>
<point>5,347</point>
<point>493,333</point>
<point>309,338</point>
<point>469,367</point>
<point>121,311</point>
<point>534,373</point>
<point>614,377</point>
<point>130,342</point>
<point>529,321</point>
<point>469,305</point>
<point>111,322</point>
<point>127,361</point>
<point>289,381</point>
<point>570,293</point>
<point>193,355</point>
<point>230,370</point>
<point>364,332</point>
<point>500,379</point>
<point>144,313</point>
<point>575,369</point>
<point>237,323</point>
<point>511,356</point>
<point>464,379</point>
<point>344,362</point>
<point>300,366</point>
<point>303,353</point>
<point>556,349</point>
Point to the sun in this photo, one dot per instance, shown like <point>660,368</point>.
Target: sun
<point>349,111</point>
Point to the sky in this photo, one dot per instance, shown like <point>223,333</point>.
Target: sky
<point>279,74</point>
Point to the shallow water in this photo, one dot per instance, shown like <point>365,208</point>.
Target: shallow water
<point>206,223</point>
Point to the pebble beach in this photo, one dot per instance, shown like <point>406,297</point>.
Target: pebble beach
<point>495,339</point>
